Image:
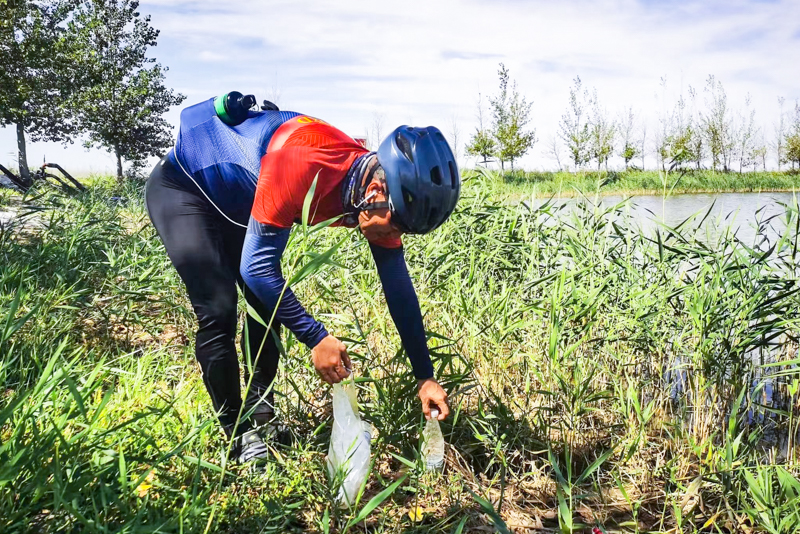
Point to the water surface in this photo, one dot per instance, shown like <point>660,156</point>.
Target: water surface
<point>740,212</point>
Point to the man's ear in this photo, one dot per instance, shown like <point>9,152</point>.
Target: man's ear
<point>375,187</point>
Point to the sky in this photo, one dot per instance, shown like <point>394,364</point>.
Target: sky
<point>367,67</point>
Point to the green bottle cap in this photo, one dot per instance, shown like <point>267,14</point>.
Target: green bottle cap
<point>222,113</point>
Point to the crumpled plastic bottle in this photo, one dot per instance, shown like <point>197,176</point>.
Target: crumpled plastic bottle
<point>433,443</point>
<point>349,450</point>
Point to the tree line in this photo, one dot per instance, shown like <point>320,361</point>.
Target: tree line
<point>78,69</point>
<point>696,131</point>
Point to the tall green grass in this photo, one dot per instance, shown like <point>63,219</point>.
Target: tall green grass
<point>598,374</point>
<point>641,182</point>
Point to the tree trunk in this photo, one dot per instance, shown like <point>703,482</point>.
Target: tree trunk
<point>119,166</point>
<point>22,154</point>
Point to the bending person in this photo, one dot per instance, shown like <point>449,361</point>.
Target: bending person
<point>223,202</point>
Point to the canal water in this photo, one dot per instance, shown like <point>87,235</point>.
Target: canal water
<point>740,212</point>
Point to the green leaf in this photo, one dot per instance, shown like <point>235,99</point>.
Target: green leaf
<point>592,468</point>
<point>307,203</point>
<point>460,527</point>
<point>315,263</point>
<point>255,315</point>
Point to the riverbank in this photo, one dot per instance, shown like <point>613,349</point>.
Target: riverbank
<point>628,183</point>
<point>597,376</point>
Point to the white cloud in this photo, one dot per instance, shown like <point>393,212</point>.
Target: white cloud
<point>424,62</point>
<point>211,57</point>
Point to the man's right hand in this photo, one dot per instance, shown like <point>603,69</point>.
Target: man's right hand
<point>331,360</point>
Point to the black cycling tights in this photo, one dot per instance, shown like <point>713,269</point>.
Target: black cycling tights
<point>205,248</point>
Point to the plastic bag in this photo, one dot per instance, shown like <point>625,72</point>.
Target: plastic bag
<point>348,453</point>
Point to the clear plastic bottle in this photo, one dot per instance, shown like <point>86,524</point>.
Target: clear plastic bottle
<point>433,443</point>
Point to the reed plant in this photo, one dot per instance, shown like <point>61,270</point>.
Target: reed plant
<point>570,184</point>
<point>600,375</point>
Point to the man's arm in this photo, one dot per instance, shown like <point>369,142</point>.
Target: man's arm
<point>403,307</point>
<point>261,271</point>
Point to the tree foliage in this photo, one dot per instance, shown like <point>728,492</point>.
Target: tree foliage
<point>511,113</point>
<point>602,133</point>
<point>680,141</point>
<point>122,109</point>
<point>574,124</point>
<point>746,149</point>
<point>482,143</point>
<point>629,148</point>
<point>780,132</point>
<point>792,140</point>
<point>36,71</point>
<point>717,125</point>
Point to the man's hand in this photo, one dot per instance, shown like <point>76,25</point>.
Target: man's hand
<point>433,396</point>
<point>331,360</point>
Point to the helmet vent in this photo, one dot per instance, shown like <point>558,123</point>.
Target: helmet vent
<point>404,146</point>
<point>453,174</point>
<point>436,175</point>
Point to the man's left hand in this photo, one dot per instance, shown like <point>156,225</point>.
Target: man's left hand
<point>433,396</point>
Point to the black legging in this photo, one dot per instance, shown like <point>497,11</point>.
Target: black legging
<point>205,248</point>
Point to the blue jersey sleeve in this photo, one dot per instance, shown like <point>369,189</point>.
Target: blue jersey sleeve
<point>261,272</point>
<point>403,307</point>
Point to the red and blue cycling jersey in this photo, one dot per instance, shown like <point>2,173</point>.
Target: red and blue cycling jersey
<point>224,161</point>
<point>264,168</point>
<point>301,150</point>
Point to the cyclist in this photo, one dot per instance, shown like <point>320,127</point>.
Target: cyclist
<point>223,202</point>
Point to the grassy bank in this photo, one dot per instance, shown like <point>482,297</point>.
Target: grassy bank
<point>547,184</point>
<point>597,376</point>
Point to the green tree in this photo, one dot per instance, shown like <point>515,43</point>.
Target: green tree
<point>602,133</point>
<point>758,154</point>
<point>574,126</point>
<point>630,145</point>
<point>745,136</point>
<point>792,139</point>
<point>780,133</point>
<point>37,72</point>
<point>717,125</point>
<point>511,114</point>
<point>679,141</point>
<point>122,110</point>
<point>481,144</point>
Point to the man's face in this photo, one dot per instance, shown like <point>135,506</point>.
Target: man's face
<point>377,224</point>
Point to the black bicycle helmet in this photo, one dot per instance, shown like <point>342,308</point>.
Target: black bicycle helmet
<point>421,177</point>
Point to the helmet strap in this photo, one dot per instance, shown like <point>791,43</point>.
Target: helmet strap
<point>363,203</point>
<point>372,167</point>
<point>351,188</point>
<point>354,192</point>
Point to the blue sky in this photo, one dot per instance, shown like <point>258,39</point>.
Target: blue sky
<point>369,66</point>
